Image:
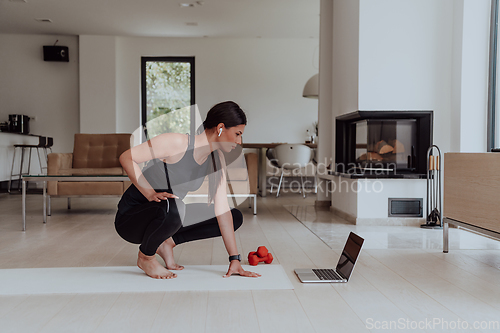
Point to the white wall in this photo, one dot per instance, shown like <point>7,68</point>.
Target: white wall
<point>45,90</point>
<point>456,74</point>
<point>405,52</point>
<point>367,199</point>
<point>346,56</point>
<point>264,76</point>
<point>345,61</point>
<point>97,84</point>
<point>474,75</point>
<point>428,55</point>
<point>412,55</point>
<point>374,194</point>
<point>344,196</point>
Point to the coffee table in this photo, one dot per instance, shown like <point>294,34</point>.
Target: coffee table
<point>67,178</point>
<point>93,178</point>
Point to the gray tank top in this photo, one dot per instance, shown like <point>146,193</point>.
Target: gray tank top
<point>178,178</point>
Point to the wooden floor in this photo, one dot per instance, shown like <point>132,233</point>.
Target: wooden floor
<point>402,281</point>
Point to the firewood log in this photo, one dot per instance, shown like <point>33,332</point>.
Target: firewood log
<point>386,149</point>
<point>383,147</point>
<point>398,146</point>
<point>370,156</point>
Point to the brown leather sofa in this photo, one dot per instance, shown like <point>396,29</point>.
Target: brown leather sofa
<point>93,154</point>
<point>98,154</point>
<point>251,173</point>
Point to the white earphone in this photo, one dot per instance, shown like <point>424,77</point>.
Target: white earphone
<point>220,131</point>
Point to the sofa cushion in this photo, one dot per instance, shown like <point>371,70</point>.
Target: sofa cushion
<point>99,150</point>
<point>89,188</point>
<point>92,171</point>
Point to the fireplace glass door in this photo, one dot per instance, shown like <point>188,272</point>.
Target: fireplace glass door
<point>385,144</point>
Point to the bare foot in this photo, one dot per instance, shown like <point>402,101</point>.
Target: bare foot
<point>153,268</point>
<point>166,251</point>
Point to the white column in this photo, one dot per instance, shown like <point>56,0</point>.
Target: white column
<point>325,131</point>
<point>474,78</point>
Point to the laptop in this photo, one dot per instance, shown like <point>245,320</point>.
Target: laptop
<point>344,267</point>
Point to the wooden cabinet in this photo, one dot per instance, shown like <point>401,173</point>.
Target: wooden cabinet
<point>472,189</point>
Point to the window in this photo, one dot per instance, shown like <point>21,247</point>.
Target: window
<point>167,95</point>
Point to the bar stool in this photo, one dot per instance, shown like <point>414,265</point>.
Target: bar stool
<point>44,143</point>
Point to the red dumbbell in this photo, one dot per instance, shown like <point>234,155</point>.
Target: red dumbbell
<point>254,259</point>
<point>262,251</point>
<point>262,254</point>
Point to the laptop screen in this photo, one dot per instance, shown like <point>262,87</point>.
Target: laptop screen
<point>349,255</point>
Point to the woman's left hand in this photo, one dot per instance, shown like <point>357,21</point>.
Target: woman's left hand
<point>235,268</point>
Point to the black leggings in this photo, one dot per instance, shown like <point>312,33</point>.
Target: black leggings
<point>150,224</point>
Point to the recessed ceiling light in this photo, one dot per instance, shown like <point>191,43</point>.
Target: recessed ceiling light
<point>21,1</point>
<point>192,24</point>
<point>44,20</point>
<point>191,4</point>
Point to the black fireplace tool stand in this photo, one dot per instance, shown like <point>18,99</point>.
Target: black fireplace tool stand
<point>434,208</point>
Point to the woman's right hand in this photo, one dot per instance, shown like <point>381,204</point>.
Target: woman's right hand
<point>159,196</point>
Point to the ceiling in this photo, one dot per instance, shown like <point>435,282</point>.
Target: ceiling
<point>163,18</point>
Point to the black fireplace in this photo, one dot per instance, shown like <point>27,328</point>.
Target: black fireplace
<point>383,143</point>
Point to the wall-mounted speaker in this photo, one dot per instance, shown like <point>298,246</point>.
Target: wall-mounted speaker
<point>56,53</point>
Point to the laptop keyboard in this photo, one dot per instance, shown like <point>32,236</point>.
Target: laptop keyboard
<point>327,274</point>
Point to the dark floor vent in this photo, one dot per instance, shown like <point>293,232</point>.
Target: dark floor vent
<point>406,207</point>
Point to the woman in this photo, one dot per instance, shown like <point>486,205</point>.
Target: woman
<point>151,213</point>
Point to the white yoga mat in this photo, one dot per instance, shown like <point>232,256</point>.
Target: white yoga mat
<point>77,280</point>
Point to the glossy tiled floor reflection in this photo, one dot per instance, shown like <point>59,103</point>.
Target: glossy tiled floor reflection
<point>333,230</point>
<point>406,265</point>
<point>401,275</point>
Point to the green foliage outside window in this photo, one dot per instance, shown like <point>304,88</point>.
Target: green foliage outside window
<point>168,91</point>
